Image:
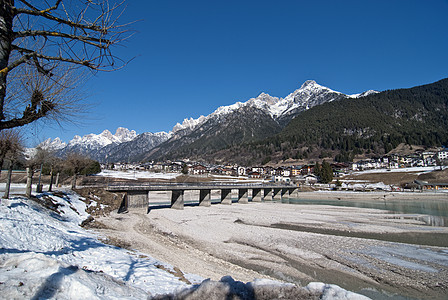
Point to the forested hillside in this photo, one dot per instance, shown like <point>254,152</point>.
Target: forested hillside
<point>368,126</point>
<point>246,124</point>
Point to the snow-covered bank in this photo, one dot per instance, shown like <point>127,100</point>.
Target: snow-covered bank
<point>44,253</point>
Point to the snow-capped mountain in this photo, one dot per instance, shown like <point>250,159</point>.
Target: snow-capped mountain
<point>241,122</point>
<point>133,150</point>
<point>308,95</point>
<point>364,94</point>
<point>90,144</point>
<point>281,109</point>
<point>52,145</point>
<point>106,147</point>
<point>97,141</point>
<point>254,119</point>
<point>188,124</point>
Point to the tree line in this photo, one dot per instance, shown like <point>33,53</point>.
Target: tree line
<point>43,162</point>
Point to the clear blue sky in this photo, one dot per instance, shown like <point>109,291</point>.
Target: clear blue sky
<point>194,56</point>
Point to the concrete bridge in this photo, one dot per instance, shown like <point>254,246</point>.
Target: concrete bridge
<point>137,195</point>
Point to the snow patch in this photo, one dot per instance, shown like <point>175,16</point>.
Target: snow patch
<point>134,175</point>
<point>43,254</point>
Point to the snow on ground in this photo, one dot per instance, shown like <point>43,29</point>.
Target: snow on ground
<point>134,175</point>
<point>16,188</point>
<point>418,170</point>
<point>137,175</point>
<point>44,254</point>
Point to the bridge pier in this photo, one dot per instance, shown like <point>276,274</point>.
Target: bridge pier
<point>256,195</point>
<point>177,199</point>
<point>267,194</point>
<point>137,199</point>
<point>277,194</point>
<point>137,196</point>
<point>124,204</point>
<point>226,196</point>
<point>243,196</point>
<point>296,192</point>
<point>204,198</point>
<point>291,192</point>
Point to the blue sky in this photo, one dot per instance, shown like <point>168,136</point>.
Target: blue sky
<point>194,56</point>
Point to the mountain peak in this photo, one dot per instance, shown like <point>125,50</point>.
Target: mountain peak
<point>309,83</point>
<point>188,124</point>
<point>263,95</point>
<point>52,145</point>
<point>124,134</point>
<point>106,133</point>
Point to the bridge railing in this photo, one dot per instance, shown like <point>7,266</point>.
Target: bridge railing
<point>218,185</point>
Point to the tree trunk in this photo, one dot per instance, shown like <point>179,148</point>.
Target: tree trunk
<point>51,180</point>
<point>29,181</point>
<point>74,181</point>
<point>6,34</point>
<point>8,181</point>
<point>57,179</point>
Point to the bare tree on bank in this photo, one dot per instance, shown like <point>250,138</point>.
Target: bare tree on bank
<point>42,43</point>
<point>11,147</point>
<point>77,164</point>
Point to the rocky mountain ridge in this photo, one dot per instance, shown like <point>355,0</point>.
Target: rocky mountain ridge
<point>240,122</point>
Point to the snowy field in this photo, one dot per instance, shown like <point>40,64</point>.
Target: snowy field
<point>417,170</point>
<point>134,175</point>
<point>47,255</point>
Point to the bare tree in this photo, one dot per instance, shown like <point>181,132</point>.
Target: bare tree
<point>11,146</point>
<point>41,43</point>
<point>54,165</point>
<point>76,163</point>
<point>41,158</point>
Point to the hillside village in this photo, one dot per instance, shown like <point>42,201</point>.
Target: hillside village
<point>299,174</point>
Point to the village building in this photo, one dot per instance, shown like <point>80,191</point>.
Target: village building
<point>254,175</point>
<point>443,154</point>
<point>197,170</point>
<point>281,179</point>
<point>260,170</point>
<point>296,171</point>
<point>242,171</point>
<point>424,185</point>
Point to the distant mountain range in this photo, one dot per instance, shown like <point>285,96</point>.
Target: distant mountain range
<point>227,126</point>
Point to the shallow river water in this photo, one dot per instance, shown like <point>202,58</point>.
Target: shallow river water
<point>431,212</point>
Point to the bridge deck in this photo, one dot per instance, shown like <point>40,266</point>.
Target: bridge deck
<point>188,187</point>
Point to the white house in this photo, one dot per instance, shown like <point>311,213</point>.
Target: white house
<point>442,155</point>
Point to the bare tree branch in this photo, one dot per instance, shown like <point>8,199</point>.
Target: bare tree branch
<point>50,35</point>
<point>100,43</point>
<point>55,6</point>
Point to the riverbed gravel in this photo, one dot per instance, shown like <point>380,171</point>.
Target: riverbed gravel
<point>292,243</point>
